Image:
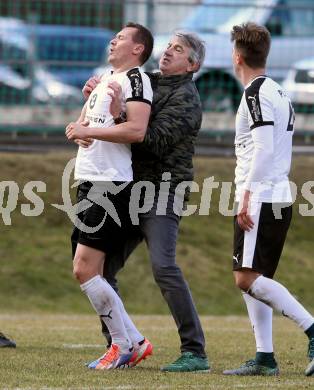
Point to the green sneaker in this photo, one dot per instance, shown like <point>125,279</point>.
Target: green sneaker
<point>251,368</point>
<point>310,368</point>
<point>188,362</point>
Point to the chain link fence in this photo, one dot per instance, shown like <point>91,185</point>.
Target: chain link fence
<point>49,48</point>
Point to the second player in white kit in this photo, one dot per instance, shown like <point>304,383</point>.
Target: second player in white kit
<point>263,144</point>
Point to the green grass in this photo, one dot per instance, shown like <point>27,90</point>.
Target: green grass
<point>35,272</point>
<point>52,350</point>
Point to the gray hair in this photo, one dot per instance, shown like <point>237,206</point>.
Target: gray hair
<point>196,45</point>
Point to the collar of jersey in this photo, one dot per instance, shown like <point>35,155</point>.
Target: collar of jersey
<point>255,78</point>
<point>135,67</point>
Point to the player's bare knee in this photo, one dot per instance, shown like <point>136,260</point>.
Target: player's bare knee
<point>77,272</point>
<point>245,278</point>
<point>242,281</point>
<point>79,268</point>
<point>244,285</point>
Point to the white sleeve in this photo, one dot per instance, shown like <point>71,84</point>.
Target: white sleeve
<point>137,87</point>
<point>263,139</point>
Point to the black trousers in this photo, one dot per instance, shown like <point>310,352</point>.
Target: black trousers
<point>160,233</point>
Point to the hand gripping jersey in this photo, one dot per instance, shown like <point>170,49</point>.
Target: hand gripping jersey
<point>108,161</point>
<point>263,142</point>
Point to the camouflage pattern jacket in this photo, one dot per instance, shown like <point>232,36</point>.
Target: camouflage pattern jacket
<point>172,130</point>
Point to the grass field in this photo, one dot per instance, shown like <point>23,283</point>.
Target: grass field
<point>35,272</point>
<point>52,350</point>
<point>35,278</point>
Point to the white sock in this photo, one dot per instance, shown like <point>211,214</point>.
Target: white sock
<point>104,300</point>
<point>261,317</point>
<point>133,332</point>
<point>279,298</point>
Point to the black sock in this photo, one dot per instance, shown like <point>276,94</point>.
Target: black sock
<point>310,332</point>
<point>266,359</point>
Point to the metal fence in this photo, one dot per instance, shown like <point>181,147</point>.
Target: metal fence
<point>48,48</point>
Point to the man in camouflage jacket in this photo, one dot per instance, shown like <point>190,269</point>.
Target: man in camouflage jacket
<point>166,155</point>
<point>173,127</point>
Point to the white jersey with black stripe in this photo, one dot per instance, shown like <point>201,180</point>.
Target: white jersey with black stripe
<point>108,161</point>
<point>265,117</point>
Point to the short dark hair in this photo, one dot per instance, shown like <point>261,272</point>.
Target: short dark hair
<point>253,42</point>
<point>145,37</point>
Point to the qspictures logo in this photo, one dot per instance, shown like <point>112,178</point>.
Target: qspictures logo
<point>144,195</point>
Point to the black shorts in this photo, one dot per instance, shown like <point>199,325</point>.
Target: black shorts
<point>107,213</point>
<point>260,248</point>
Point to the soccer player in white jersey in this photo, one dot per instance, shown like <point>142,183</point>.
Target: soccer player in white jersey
<point>263,143</point>
<point>102,168</point>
